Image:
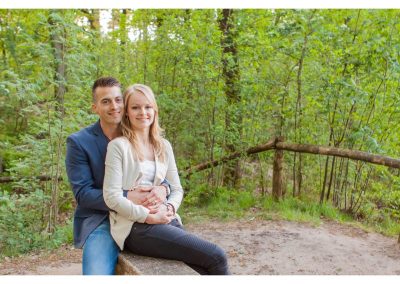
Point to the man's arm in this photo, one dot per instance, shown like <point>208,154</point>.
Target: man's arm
<point>176,196</point>
<point>167,186</point>
<point>81,179</point>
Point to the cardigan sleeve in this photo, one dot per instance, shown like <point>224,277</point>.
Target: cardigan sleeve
<point>113,184</point>
<point>176,196</point>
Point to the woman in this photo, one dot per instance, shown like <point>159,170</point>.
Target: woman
<point>142,156</point>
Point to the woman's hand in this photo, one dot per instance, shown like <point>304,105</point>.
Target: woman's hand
<point>155,197</point>
<point>150,197</point>
<point>137,195</point>
<point>162,216</point>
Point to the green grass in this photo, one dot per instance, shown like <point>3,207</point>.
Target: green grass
<point>303,210</point>
<point>232,205</point>
<point>383,224</point>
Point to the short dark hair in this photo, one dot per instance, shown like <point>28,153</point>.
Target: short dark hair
<point>105,82</point>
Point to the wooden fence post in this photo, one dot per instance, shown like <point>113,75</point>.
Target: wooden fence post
<point>277,173</point>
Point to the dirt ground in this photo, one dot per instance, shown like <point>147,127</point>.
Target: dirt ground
<point>257,247</point>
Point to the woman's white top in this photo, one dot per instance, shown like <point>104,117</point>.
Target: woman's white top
<point>148,169</point>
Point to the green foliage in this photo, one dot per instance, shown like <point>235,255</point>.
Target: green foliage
<point>323,77</point>
<point>22,227</point>
<point>199,195</point>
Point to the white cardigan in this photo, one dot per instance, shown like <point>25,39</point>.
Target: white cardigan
<point>122,171</point>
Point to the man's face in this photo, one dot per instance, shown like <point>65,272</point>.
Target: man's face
<point>108,104</point>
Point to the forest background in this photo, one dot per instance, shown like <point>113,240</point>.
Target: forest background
<point>225,80</point>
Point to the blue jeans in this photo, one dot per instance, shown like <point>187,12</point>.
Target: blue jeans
<point>100,252</point>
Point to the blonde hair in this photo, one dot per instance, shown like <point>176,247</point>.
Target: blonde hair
<point>155,133</point>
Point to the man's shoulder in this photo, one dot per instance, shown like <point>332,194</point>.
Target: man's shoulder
<point>86,132</point>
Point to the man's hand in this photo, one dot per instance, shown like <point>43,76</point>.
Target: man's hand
<point>150,197</point>
<point>155,197</point>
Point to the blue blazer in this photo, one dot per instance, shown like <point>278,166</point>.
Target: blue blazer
<point>86,152</point>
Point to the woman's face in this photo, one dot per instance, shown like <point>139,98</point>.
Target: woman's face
<point>140,112</point>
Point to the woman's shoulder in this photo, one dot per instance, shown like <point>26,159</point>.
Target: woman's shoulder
<point>119,142</point>
<point>166,143</point>
<point>168,150</point>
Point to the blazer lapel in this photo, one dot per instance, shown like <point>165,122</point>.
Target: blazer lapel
<point>101,140</point>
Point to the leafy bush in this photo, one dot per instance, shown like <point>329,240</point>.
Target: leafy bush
<point>22,226</point>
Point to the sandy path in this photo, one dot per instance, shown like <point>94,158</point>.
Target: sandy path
<point>261,247</point>
<point>281,247</point>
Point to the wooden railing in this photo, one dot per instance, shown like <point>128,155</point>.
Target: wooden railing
<point>279,146</point>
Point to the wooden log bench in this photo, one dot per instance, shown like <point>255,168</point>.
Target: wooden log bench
<point>133,264</point>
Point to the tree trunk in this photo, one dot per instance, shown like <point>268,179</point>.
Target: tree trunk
<point>230,73</point>
<point>93,16</point>
<point>123,36</point>
<point>322,195</point>
<point>277,174</point>
<point>262,183</point>
<point>58,40</point>
<point>211,178</point>
<point>1,165</point>
<point>297,168</point>
<point>331,178</point>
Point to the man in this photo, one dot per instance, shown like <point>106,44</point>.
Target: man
<point>86,151</point>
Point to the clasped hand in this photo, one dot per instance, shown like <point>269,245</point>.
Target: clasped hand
<point>152,197</point>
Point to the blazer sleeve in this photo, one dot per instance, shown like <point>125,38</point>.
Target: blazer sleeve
<point>113,185</point>
<point>81,179</point>
<point>176,196</point>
